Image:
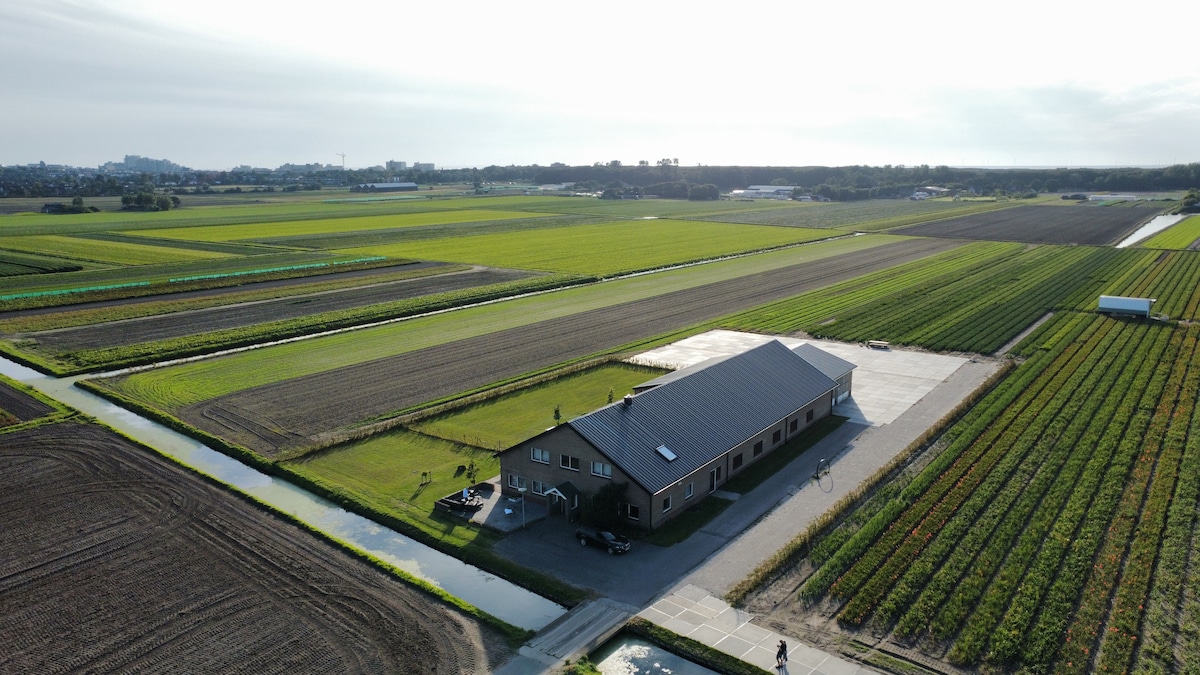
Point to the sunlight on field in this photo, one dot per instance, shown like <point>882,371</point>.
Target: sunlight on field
<point>105,251</point>
<point>254,231</point>
<point>603,249</point>
<point>505,421</point>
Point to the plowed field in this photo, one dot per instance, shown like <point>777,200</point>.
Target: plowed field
<point>117,560</point>
<point>276,417</point>
<point>1088,225</point>
<point>178,324</point>
<point>20,405</point>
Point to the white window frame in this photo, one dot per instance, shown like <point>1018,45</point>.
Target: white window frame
<point>666,503</point>
<point>689,490</point>
<point>516,482</point>
<point>605,470</point>
<point>631,510</point>
<point>539,455</point>
<point>565,461</point>
<point>539,488</point>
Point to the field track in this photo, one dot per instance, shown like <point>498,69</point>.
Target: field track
<point>1087,225</point>
<point>310,406</point>
<point>178,324</point>
<point>117,560</point>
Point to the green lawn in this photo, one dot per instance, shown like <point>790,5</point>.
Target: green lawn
<point>507,420</point>
<point>389,466</point>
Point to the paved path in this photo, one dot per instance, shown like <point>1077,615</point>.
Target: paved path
<point>693,612</point>
<point>750,531</point>
<point>852,462</point>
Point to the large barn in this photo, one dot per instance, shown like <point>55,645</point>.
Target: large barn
<point>681,436</point>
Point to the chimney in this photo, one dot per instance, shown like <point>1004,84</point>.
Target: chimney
<point>628,400</point>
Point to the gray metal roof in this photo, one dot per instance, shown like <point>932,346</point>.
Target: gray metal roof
<point>681,373</point>
<point>703,415</point>
<point>833,366</point>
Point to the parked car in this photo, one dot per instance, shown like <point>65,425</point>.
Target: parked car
<point>613,543</point>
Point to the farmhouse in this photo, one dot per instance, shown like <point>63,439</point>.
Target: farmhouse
<point>681,436</point>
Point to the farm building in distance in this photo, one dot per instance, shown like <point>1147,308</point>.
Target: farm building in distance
<point>384,187</point>
<point>1116,304</point>
<point>680,436</point>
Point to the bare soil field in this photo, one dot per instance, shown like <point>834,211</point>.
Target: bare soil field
<point>1087,225</point>
<point>195,322</point>
<point>117,560</point>
<point>293,413</point>
<point>20,405</point>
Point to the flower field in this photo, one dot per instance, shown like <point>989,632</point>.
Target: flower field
<point>1055,529</point>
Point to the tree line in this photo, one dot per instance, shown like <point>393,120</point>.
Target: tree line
<point>665,178</point>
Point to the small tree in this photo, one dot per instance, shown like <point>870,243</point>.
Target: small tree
<point>558,414</point>
<point>610,395</point>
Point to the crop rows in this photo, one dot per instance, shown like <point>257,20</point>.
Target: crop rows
<point>1172,278</point>
<point>1055,529</point>
<point>809,310</point>
<point>978,311</point>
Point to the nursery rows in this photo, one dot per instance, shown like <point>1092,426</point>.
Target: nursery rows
<point>1053,533</point>
<point>974,299</point>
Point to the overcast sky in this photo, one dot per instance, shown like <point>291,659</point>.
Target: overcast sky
<point>217,84</point>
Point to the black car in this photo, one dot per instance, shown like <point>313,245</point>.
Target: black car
<point>613,543</point>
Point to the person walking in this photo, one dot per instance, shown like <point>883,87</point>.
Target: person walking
<point>781,655</point>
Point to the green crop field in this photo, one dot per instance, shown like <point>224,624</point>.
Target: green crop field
<point>863,216</point>
<point>1173,278</point>
<point>648,208</point>
<point>1181,235</point>
<point>507,420</point>
<point>972,299</point>
<point>1054,531</point>
<point>183,384</point>
<point>602,249</point>
<point>103,252</point>
<point>165,273</point>
<point>979,308</point>
<point>299,228</point>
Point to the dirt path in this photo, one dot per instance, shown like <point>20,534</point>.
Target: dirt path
<point>115,559</point>
<point>309,406</point>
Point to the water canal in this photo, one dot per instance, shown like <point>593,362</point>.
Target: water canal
<point>486,591</point>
